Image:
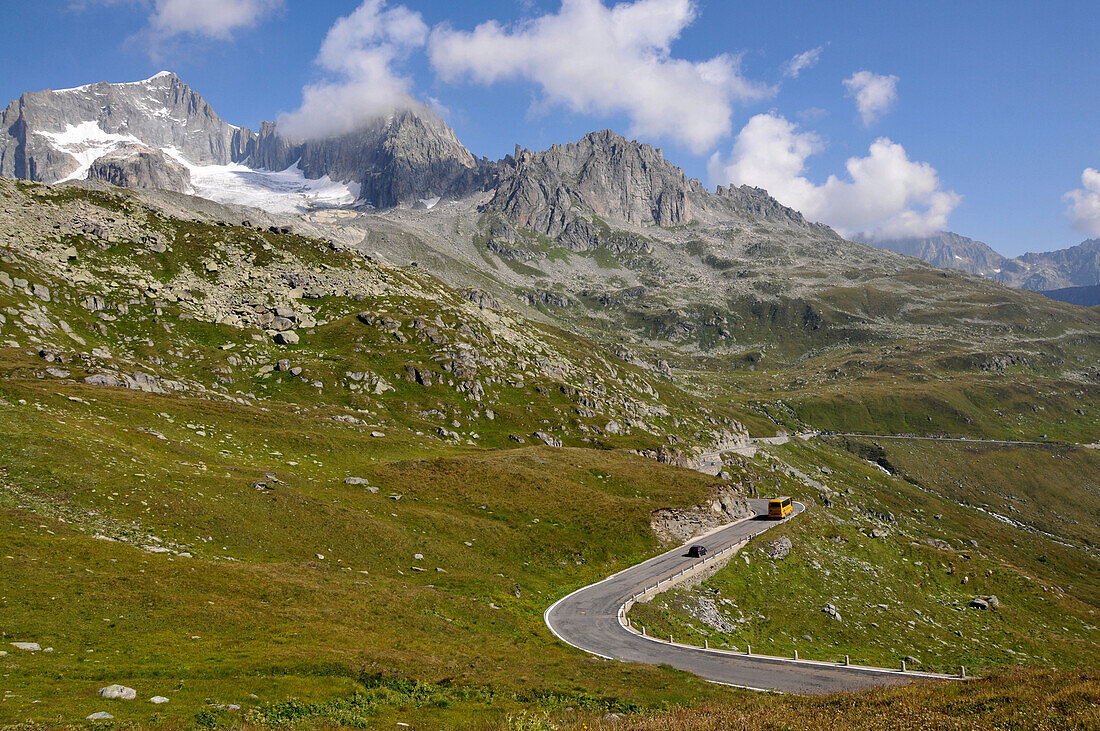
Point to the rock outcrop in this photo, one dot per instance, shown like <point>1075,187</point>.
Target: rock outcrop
<point>138,166</point>
<point>602,174</point>
<point>727,504</point>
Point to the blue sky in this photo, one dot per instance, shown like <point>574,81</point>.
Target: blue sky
<point>997,98</point>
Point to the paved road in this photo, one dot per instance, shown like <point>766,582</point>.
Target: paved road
<point>589,620</point>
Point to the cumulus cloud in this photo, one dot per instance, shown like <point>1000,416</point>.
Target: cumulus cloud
<point>595,59</point>
<point>884,194</point>
<point>215,19</point>
<point>1085,203</point>
<point>359,54</point>
<point>801,62</point>
<point>875,94</point>
<point>211,18</point>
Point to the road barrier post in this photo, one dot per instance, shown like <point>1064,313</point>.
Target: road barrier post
<point>643,630</point>
<point>962,672</point>
<point>748,649</point>
<point>670,639</point>
<point>903,666</point>
<point>849,662</point>
<point>796,654</point>
<point>706,644</point>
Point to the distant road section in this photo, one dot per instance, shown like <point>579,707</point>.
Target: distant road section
<point>592,619</point>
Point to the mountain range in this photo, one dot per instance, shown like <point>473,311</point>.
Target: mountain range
<point>1069,275</point>
<point>604,236</point>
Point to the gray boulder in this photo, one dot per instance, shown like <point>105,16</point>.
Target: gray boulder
<point>778,549</point>
<point>120,692</point>
<point>288,337</point>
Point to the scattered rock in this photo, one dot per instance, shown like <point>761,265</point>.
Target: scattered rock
<point>158,700</point>
<point>28,646</point>
<point>100,716</point>
<point>548,439</point>
<point>778,549</point>
<point>832,612</point>
<point>287,337</point>
<point>120,692</point>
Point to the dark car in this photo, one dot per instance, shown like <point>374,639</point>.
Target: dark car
<point>697,551</point>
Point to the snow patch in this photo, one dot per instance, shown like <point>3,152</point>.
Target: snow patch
<point>430,203</point>
<point>86,87</point>
<point>284,191</point>
<point>87,142</point>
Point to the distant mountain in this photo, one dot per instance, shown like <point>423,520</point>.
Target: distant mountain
<point>1084,296</point>
<point>1077,266</point>
<point>948,251</point>
<point>139,134</point>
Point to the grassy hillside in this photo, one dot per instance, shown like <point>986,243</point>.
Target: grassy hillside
<point>901,556</point>
<point>362,524</point>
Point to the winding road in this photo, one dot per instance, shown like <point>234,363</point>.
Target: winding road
<point>593,619</point>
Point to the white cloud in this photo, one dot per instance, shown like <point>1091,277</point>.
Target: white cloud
<point>801,62</point>
<point>875,94</point>
<point>216,19</point>
<point>885,194</point>
<point>211,18</point>
<point>1085,208</point>
<point>594,59</point>
<point>359,52</point>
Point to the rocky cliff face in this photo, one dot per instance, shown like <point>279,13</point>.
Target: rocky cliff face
<point>137,166</point>
<point>50,136</point>
<point>727,503</point>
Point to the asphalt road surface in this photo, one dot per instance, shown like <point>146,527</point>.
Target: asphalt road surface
<point>588,619</point>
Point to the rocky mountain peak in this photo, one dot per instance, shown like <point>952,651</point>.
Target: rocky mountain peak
<point>56,135</point>
<point>399,158</point>
<point>603,174</point>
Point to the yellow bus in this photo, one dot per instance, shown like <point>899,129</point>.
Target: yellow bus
<point>780,507</point>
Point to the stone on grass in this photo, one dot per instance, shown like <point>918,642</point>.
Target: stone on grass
<point>28,646</point>
<point>118,691</point>
<point>100,716</point>
<point>158,699</point>
<point>288,337</point>
<point>778,549</point>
